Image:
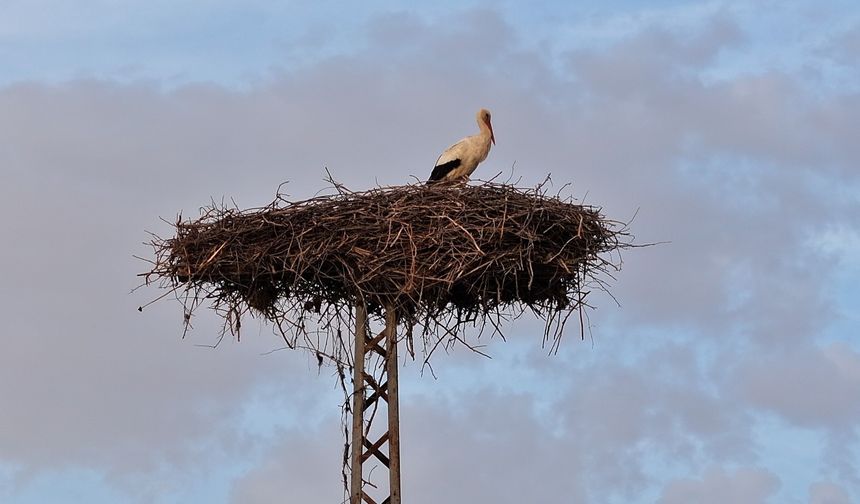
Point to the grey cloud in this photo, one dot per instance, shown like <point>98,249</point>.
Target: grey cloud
<point>814,388</point>
<point>721,169</point>
<point>497,438</point>
<point>657,409</point>
<point>743,486</point>
<point>592,442</point>
<point>454,454</point>
<point>843,48</point>
<point>302,467</point>
<point>810,388</point>
<point>828,493</point>
<point>656,53</point>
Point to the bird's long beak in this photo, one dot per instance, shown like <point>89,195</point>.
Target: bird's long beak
<point>492,137</point>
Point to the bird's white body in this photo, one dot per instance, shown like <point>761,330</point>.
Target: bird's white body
<point>458,161</point>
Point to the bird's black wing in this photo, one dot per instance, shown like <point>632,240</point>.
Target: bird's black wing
<point>439,171</point>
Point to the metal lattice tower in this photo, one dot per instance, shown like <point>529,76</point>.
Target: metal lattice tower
<point>374,385</point>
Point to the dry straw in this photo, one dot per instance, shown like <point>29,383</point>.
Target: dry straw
<point>445,256</point>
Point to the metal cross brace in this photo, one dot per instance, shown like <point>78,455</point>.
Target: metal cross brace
<point>369,392</point>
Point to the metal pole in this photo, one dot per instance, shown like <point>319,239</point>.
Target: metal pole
<point>358,401</point>
<point>393,403</point>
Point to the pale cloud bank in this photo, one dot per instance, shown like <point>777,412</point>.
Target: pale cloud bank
<point>718,327</point>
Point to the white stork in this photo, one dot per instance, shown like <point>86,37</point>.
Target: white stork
<point>460,160</point>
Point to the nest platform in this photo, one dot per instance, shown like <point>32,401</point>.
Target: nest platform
<point>441,255</point>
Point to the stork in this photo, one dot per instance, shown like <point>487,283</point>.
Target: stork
<point>458,161</point>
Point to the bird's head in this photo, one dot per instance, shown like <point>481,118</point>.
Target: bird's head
<point>484,118</point>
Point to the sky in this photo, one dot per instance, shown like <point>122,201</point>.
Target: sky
<point>727,371</point>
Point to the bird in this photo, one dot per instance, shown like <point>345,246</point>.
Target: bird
<point>458,161</point>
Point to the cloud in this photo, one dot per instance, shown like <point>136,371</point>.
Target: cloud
<point>453,454</point>
<point>810,389</point>
<point>719,325</point>
<point>600,436</point>
<point>656,412</point>
<point>302,467</point>
<point>844,47</point>
<point>744,486</point>
<point>828,493</point>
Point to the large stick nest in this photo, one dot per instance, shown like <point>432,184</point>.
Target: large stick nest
<point>440,255</point>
